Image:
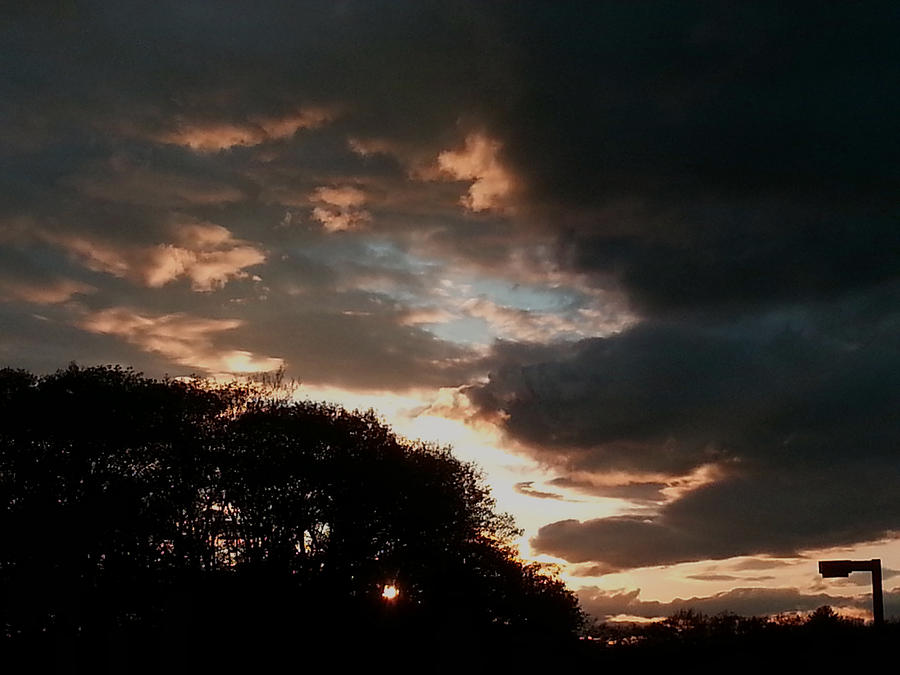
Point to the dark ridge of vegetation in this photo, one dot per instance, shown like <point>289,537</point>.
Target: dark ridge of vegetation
<point>821,640</point>
<point>169,526</point>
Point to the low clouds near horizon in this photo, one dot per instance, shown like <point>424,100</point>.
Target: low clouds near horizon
<point>627,605</point>
<point>656,244</point>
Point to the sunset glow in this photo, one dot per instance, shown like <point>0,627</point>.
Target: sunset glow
<point>638,262</point>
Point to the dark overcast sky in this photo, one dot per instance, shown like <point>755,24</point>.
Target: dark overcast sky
<point>651,240</point>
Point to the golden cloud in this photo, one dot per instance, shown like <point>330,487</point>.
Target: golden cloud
<point>205,253</point>
<point>478,161</point>
<point>214,136</point>
<point>186,340</point>
<point>343,197</point>
<point>339,208</point>
<point>417,316</point>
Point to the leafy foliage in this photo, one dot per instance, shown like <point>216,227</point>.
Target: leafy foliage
<point>133,502</point>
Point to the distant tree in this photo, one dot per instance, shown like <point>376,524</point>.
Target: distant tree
<point>133,504</point>
<point>824,616</point>
<point>819,641</point>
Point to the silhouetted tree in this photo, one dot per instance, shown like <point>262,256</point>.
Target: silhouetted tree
<point>822,640</point>
<point>201,514</point>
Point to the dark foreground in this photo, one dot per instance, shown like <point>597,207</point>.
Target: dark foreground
<point>152,526</point>
<point>380,641</point>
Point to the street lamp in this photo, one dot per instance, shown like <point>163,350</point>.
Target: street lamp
<point>842,568</point>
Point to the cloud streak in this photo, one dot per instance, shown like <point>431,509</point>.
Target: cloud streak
<point>209,136</point>
<point>205,253</point>
<point>189,341</point>
<point>607,605</point>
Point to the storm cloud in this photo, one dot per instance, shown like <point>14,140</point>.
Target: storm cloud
<point>655,243</point>
<point>797,423</point>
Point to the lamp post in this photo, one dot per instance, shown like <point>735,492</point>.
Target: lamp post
<point>842,568</point>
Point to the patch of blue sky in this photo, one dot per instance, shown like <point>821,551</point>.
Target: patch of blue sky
<point>380,258</point>
<point>527,297</point>
<point>371,252</point>
<point>385,253</point>
<point>465,330</point>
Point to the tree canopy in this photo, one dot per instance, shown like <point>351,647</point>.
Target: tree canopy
<point>135,506</point>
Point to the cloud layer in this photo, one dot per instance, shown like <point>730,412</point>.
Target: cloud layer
<point>655,243</point>
<point>781,414</point>
<point>607,605</point>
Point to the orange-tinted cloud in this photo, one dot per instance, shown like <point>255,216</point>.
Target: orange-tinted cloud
<point>417,316</point>
<point>342,197</point>
<point>339,208</point>
<point>638,486</point>
<point>478,161</point>
<point>186,340</point>
<point>205,136</point>
<point>205,253</point>
<point>49,293</point>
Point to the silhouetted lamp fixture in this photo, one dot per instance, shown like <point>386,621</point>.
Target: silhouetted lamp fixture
<point>842,568</point>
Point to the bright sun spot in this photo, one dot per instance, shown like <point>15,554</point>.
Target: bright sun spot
<point>389,592</point>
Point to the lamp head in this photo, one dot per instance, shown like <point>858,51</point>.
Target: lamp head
<point>835,568</point>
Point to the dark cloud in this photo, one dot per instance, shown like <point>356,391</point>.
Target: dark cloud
<point>679,148</point>
<point>674,396</point>
<point>740,256</point>
<point>714,181</point>
<point>634,491</point>
<point>525,488</point>
<point>798,423</point>
<point>760,564</point>
<point>727,577</point>
<point>743,601</point>
<point>767,512</point>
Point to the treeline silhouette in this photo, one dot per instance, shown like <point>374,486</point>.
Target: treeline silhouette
<point>823,639</point>
<point>180,526</point>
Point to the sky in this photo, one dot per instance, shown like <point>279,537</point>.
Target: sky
<point>640,261</point>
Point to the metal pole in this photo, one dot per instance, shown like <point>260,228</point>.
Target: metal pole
<point>877,593</point>
<point>843,568</point>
